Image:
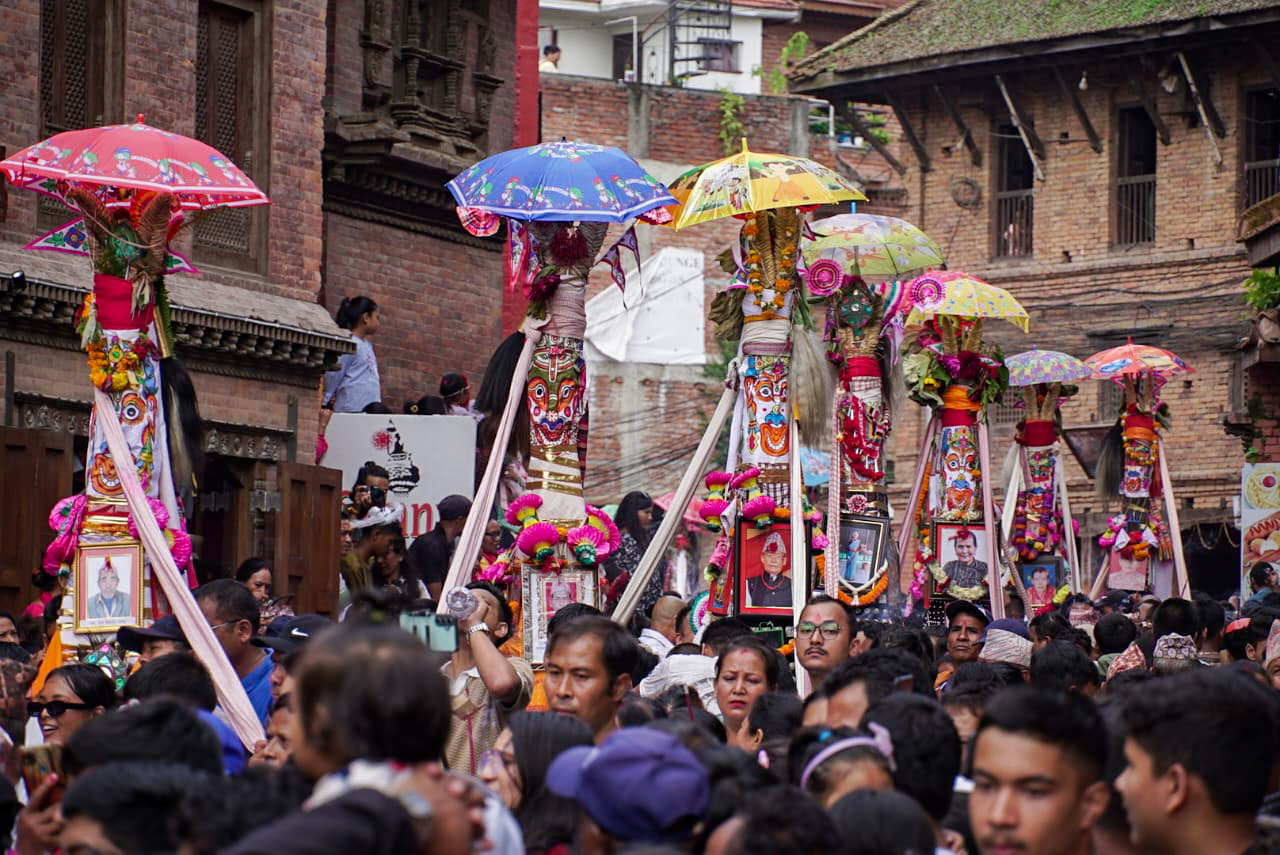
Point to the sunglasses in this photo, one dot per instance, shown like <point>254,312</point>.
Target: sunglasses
<point>55,709</point>
<point>806,628</point>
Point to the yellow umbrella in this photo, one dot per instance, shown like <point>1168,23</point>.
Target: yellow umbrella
<point>951,292</point>
<point>750,181</point>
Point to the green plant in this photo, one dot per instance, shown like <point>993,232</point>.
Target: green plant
<point>795,48</point>
<point>1262,290</point>
<point>731,129</point>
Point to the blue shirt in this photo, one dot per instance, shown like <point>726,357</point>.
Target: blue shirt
<point>355,385</point>
<point>258,687</point>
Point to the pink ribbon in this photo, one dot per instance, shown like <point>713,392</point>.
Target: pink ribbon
<point>231,694</point>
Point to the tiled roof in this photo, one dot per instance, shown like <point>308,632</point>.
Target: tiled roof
<point>930,29</point>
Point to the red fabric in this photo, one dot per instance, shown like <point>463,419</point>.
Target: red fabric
<point>114,298</point>
<point>860,366</point>
<point>958,418</point>
<point>1039,432</point>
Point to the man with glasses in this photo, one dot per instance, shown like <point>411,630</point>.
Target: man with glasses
<point>232,613</point>
<point>824,637</point>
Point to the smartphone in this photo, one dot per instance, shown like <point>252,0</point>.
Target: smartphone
<point>439,632</point>
<point>38,763</point>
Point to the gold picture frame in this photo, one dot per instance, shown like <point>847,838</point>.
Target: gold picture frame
<point>95,612</point>
<point>543,593</point>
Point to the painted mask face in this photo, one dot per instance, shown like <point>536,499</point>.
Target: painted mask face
<point>1040,466</point>
<point>765,387</point>
<point>959,462</point>
<point>555,390</point>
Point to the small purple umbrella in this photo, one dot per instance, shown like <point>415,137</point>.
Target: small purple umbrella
<point>1044,366</point>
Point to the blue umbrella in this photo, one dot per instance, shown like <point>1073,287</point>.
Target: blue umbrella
<point>560,181</point>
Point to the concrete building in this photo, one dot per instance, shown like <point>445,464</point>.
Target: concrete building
<point>1094,160</point>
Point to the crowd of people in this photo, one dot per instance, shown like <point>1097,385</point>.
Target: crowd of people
<point>1130,725</point>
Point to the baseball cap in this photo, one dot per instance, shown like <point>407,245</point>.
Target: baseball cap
<point>640,785</point>
<point>964,607</point>
<point>454,507</point>
<point>164,629</point>
<point>1008,624</point>
<point>1117,600</point>
<point>295,634</point>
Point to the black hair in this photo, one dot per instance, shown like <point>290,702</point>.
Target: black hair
<point>754,645</point>
<point>1125,683</point>
<point>1220,726</point>
<point>776,714</point>
<point>1213,617</point>
<point>547,50</point>
<point>973,697</point>
<point>1114,819</point>
<point>537,738</point>
<point>1051,626</point>
<point>1082,640</point>
<point>1062,665</point>
<point>367,471</point>
<point>1017,608</point>
<point>782,819</point>
<point>182,420</point>
<point>133,802</point>
<point>377,408</point>
<point>646,661</point>
<point>250,566</point>
<point>568,613</point>
<point>880,671</point>
<point>88,682</point>
<point>1114,632</point>
<point>212,818</point>
<point>1008,674</point>
<point>926,748</point>
<point>492,399</point>
<point>618,649</point>
<point>6,614</point>
<point>1067,720</point>
<point>686,649</point>
<point>721,632</point>
<point>453,378</point>
<point>627,516</point>
<point>427,405</point>
<point>808,743</point>
<point>352,309</point>
<point>682,616</point>
<point>635,710</point>
<point>160,730</point>
<point>976,675</point>
<point>915,641</point>
<point>1258,574</point>
<point>179,676</point>
<point>505,614</point>
<point>1236,642</point>
<point>382,695</point>
<point>882,822</point>
<point>1082,599</point>
<point>1175,615</point>
<point>819,599</point>
<point>872,629</point>
<point>231,600</point>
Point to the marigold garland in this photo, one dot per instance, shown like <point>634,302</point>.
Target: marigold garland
<point>116,364</point>
<point>788,237</point>
<point>878,585</point>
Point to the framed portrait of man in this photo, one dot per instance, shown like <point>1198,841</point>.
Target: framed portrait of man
<point>545,593</point>
<point>108,586</point>
<point>862,549</point>
<point>1041,578</point>
<point>1126,571</point>
<point>764,569</point>
<point>962,554</point>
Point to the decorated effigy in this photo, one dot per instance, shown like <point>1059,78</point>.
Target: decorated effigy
<point>948,368</point>
<point>1132,465</point>
<point>857,264</point>
<point>777,390</point>
<point>557,200</point>
<point>1037,523</point>
<point>121,544</point>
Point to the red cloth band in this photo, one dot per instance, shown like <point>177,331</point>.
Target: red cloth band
<point>1039,432</point>
<point>958,418</point>
<point>114,298</point>
<point>860,366</point>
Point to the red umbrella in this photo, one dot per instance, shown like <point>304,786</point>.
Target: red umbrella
<point>133,157</point>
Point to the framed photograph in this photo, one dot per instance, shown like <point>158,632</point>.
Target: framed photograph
<point>862,548</point>
<point>1042,578</point>
<point>962,553</point>
<point>1127,574</point>
<point>546,593</point>
<point>764,569</point>
<point>108,585</point>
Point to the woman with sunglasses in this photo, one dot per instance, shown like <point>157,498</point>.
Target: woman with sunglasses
<point>71,697</point>
<point>516,769</point>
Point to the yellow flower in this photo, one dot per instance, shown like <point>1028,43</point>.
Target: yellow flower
<point>119,382</point>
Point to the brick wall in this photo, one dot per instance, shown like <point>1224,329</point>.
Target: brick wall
<point>440,302</point>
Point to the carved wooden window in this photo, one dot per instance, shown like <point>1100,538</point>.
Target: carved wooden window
<point>79,74</point>
<point>1015,199</point>
<point>1135,183</point>
<point>230,116</point>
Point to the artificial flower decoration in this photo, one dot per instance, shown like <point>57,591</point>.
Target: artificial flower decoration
<point>715,503</point>
<point>585,542</point>
<point>759,508</point>
<point>538,541</point>
<point>524,510</point>
<point>605,524</point>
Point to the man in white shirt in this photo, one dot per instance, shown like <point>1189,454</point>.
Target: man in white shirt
<point>660,635</point>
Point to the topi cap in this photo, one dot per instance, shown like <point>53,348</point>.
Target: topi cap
<point>640,785</point>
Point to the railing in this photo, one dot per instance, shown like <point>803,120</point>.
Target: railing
<point>1261,179</point>
<point>1135,210</point>
<point>1014,220</point>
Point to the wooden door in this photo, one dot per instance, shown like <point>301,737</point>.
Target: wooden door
<point>306,538</point>
<point>35,472</point>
